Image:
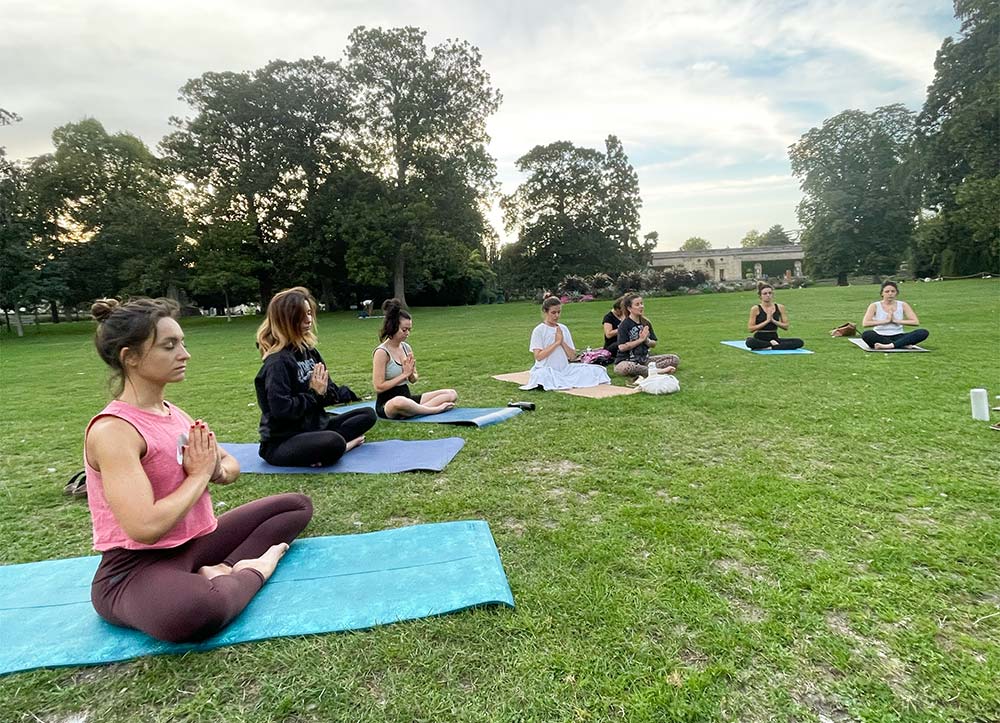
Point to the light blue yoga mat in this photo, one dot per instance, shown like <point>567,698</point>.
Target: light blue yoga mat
<point>740,344</point>
<point>322,585</point>
<point>392,455</point>
<point>477,416</point>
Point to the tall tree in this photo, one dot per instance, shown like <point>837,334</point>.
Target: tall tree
<point>958,145</point>
<point>421,122</point>
<point>622,203</point>
<point>775,236</point>
<point>859,200</point>
<point>696,243</point>
<point>257,144</point>
<point>752,239</point>
<point>558,216</point>
<point>106,219</point>
<point>19,259</point>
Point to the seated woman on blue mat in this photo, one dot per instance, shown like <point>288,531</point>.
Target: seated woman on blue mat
<point>294,388</point>
<point>552,345</point>
<point>394,369</point>
<point>765,318</point>
<point>168,566</point>
<point>889,316</point>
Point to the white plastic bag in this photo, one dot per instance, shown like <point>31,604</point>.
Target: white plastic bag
<point>659,384</point>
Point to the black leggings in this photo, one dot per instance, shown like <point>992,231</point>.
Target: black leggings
<point>764,342</point>
<point>897,340</point>
<point>322,448</point>
<point>160,591</point>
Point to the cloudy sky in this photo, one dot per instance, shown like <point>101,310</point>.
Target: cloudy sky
<point>705,96</point>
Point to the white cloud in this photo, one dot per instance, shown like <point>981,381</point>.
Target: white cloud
<point>702,95</point>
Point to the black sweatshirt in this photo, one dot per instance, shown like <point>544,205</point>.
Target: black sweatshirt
<point>287,405</point>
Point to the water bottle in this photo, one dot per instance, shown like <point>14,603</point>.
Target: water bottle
<point>653,371</point>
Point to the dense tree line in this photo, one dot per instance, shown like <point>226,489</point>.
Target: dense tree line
<point>893,186</point>
<point>362,177</point>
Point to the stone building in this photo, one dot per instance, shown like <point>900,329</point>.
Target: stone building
<point>736,263</point>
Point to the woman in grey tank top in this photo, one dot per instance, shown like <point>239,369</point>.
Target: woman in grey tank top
<point>394,369</point>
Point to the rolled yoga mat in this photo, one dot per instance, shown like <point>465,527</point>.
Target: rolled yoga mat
<point>475,416</point>
<point>740,344</point>
<point>322,585</point>
<point>393,455</point>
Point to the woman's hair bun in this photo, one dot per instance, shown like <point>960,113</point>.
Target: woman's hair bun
<point>103,308</point>
<point>391,305</point>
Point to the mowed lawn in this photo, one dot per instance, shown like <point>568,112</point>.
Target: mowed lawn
<point>801,538</point>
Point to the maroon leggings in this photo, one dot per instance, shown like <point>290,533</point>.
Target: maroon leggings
<point>160,591</point>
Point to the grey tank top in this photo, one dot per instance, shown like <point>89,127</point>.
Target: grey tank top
<point>392,367</point>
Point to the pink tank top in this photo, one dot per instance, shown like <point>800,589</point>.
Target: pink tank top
<point>165,475</point>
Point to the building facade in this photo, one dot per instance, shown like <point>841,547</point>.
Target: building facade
<point>730,264</point>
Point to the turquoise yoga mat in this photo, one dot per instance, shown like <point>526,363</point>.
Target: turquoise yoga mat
<point>475,416</point>
<point>740,344</point>
<point>322,585</point>
<point>386,457</point>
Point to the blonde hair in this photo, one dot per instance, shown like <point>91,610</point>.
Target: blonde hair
<point>282,327</point>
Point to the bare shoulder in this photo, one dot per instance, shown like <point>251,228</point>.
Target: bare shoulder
<point>112,437</point>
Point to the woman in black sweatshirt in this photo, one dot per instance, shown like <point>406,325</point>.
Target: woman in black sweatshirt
<point>293,388</point>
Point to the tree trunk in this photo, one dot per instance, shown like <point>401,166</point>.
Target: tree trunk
<point>54,310</point>
<point>17,320</point>
<point>225,295</point>
<point>398,280</point>
<point>842,278</point>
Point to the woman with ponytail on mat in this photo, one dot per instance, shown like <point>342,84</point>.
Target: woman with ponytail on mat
<point>168,566</point>
<point>294,388</point>
<point>394,369</point>
<point>765,319</point>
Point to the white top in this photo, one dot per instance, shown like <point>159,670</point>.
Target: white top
<point>543,336</point>
<point>889,326</point>
<point>555,371</point>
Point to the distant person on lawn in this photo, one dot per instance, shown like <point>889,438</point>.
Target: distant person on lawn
<point>294,388</point>
<point>888,317</point>
<point>635,338</point>
<point>765,319</point>
<point>552,345</point>
<point>168,566</point>
<point>394,368</point>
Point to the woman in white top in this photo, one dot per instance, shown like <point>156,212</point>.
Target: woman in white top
<point>552,345</point>
<point>888,317</point>
<point>394,369</point>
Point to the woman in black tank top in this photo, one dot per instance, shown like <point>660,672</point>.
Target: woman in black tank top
<point>765,318</point>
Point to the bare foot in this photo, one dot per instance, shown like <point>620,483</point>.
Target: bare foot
<point>774,343</point>
<point>264,564</point>
<point>669,370</point>
<point>356,442</point>
<point>211,571</point>
<point>879,345</point>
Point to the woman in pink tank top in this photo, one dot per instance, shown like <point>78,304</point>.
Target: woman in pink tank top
<point>169,567</point>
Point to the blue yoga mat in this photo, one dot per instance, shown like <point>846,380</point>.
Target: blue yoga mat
<point>740,344</point>
<point>322,585</point>
<point>477,416</point>
<point>393,455</point>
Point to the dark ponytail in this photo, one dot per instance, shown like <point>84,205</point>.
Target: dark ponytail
<point>393,313</point>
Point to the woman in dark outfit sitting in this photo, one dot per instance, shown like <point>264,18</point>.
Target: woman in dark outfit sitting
<point>294,387</point>
<point>765,318</point>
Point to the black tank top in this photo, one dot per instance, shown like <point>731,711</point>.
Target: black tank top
<point>761,315</point>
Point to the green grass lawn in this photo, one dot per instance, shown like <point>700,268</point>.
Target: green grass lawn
<point>790,538</point>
